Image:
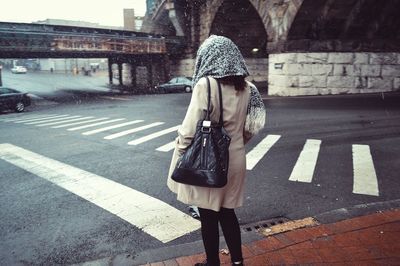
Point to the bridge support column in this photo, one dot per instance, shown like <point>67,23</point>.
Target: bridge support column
<point>1,81</point>
<point>150,73</point>
<point>167,68</point>
<point>120,73</point>
<point>110,73</point>
<point>176,19</point>
<point>133,74</point>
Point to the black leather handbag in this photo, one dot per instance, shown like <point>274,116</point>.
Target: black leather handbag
<point>205,162</point>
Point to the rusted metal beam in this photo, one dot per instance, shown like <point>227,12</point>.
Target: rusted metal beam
<point>28,39</point>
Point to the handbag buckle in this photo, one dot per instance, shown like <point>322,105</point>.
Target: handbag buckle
<point>206,128</point>
<point>206,123</point>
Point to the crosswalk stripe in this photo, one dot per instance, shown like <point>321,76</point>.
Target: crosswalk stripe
<point>96,124</point>
<point>64,121</point>
<point>25,117</point>
<point>259,151</point>
<point>133,130</point>
<point>81,122</point>
<point>167,147</point>
<point>153,136</point>
<point>152,215</point>
<point>303,171</point>
<point>51,120</point>
<point>365,180</point>
<point>39,119</point>
<point>91,132</point>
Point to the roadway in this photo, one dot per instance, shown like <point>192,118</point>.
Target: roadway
<point>80,186</point>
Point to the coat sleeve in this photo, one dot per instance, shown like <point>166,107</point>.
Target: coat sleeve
<point>246,136</point>
<point>196,111</point>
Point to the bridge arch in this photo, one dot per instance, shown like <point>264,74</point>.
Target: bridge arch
<point>276,16</point>
<point>346,25</point>
<point>240,21</point>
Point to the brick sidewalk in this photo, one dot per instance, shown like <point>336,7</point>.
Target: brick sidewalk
<point>367,240</point>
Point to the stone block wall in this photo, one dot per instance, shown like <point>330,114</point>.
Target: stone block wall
<point>258,68</point>
<point>126,74</point>
<point>142,79</point>
<point>183,67</point>
<point>292,74</point>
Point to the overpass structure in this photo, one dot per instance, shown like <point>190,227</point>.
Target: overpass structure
<point>297,47</point>
<point>127,49</point>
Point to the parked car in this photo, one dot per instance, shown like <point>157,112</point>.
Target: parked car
<point>177,84</point>
<point>19,70</point>
<point>11,99</point>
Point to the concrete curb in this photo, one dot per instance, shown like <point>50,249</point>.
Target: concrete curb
<point>164,253</point>
<point>379,95</point>
<point>355,211</point>
<point>186,249</point>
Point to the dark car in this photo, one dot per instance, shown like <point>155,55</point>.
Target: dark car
<point>177,84</point>
<point>11,99</point>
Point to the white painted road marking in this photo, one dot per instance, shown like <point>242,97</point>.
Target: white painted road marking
<point>64,121</point>
<point>365,180</point>
<point>167,147</point>
<point>133,130</point>
<point>303,171</point>
<point>91,132</point>
<point>51,120</point>
<point>38,119</point>
<point>25,117</point>
<point>81,122</point>
<point>96,124</point>
<point>258,152</point>
<point>153,136</point>
<point>153,216</point>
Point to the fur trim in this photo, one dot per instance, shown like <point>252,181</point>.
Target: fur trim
<point>256,115</point>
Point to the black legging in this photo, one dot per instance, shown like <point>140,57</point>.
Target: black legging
<point>230,228</point>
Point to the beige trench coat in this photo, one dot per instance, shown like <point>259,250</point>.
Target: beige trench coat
<point>234,111</point>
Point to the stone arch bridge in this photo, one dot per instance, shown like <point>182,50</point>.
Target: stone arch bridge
<point>297,47</point>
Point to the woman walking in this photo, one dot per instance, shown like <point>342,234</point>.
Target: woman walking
<point>219,59</point>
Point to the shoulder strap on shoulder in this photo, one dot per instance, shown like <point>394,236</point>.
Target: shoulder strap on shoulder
<point>208,99</point>
<point>221,109</point>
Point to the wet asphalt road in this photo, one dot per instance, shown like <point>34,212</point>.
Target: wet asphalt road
<point>45,224</point>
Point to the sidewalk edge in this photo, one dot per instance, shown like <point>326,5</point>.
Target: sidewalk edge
<point>355,211</point>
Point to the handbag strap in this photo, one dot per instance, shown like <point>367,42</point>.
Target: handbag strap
<point>221,109</point>
<point>208,99</point>
<point>221,116</point>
